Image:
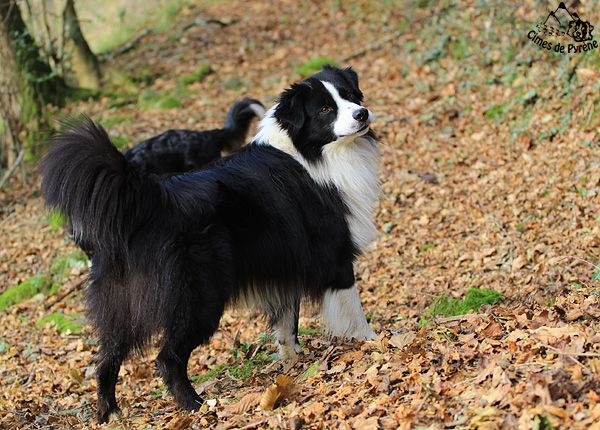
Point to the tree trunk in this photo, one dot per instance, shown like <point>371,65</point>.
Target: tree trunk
<point>27,84</point>
<point>84,62</point>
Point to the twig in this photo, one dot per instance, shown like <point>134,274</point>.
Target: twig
<point>201,22</point>
<point>574,257</point>
<point>66,294</point>
<point>127,46</point>
<point>12,168</point>
<point>571,354</point>
<point>465,317</point>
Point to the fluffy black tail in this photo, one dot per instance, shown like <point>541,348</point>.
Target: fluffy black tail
<point>238,120</point>
<point>88,179</point>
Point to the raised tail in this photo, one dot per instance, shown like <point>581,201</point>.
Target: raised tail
<point>89,180</point>
<point>238,121</point>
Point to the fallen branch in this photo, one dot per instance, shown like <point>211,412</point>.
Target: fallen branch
<point>12,168</point>
<point>201,22</point>
<point>59,298</point>
<point>127,46</point>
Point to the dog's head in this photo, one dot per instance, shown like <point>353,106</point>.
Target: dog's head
<point>325,108</point>
<point>580,30</point>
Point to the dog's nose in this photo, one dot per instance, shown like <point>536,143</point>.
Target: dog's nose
<point>361,114</point>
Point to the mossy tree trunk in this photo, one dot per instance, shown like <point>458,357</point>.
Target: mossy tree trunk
<point>84,62</point>
<point>27,84</point>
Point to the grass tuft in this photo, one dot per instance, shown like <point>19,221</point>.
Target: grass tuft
<point>447,307</point>
<point>23,291</point>
<point>62,322</point>
<point>313,65</point>
<point>149,99</point>
<point>56,220</point>
<point>199,74</point>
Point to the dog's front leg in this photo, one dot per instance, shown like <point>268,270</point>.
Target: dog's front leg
<point>343,314</point>
<point>285,327</point>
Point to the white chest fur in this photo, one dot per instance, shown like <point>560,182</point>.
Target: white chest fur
<point>350,164</point>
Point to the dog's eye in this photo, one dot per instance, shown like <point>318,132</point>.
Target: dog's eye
<point>326,109</point>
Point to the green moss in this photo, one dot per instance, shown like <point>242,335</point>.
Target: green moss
<point>23,291</point>
<point>243,368</point>
<point>150,99</point>
<point>314,65</point>
<point>425,247</point>
<point>497,112</point>
<point>446,306</point>
<point>63,322</point>
<point>62,266</point>
<point>56,220</point>
<point>119,140</point>
<point>306,331</point>
<point>111,121</point>
<point>312,370</point>
<point>199,74</point>
<point>3,346</point>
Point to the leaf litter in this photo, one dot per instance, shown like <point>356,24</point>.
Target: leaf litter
<point>504,140</point>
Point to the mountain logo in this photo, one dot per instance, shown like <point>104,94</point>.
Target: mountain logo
<point>562,24</point>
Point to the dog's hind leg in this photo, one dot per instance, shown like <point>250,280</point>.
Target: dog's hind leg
<point>172,364</point>
<point>112,353</point>
<point>285,325</point>
<point>343,314</point>
<point>193,327</point>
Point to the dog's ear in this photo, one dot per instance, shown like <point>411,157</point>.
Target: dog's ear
<point>351,75</point>
<point>352,78</point>
<point>290,110</point>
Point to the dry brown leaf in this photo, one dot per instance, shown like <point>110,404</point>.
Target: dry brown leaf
<point>402,340</point>
<point>269,398</point>
<point>519,262</point>
<point>180,423</point>
<point>284,387</point>
<point>314,409</point>
<point>246,403</point>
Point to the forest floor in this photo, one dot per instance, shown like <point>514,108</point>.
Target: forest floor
<point>491,180</point>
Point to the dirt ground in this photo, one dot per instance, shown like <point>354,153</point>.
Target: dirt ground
<point>490,179</point>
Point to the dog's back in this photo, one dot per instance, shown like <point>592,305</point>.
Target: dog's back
<point>178,151</point>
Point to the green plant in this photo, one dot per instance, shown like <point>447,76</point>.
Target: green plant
<point>62,266</point>
<point>242,367</point>
<point>111,121</point>
<point>23,291</point>
<point>314,65</point>
<point>447,306</point>
<point>56,220</point>
<point>199,74</point>
<point>306,331</point>
<point>62,322</point>
<point>119,140</point>
<point>150,99</point>
<point>497,112</point>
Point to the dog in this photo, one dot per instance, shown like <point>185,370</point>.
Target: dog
<point>178,151</point>
<point>281,220</point>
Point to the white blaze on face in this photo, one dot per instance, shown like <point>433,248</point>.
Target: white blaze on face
<point>345,124</point>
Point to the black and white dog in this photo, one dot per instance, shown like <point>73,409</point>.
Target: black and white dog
<point>178,151</point>
<point>279,221</point>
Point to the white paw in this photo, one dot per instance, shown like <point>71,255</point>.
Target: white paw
<point>289,351</point>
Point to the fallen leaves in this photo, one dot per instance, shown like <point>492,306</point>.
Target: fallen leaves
<point>469,201</point>
<point>284,388</point>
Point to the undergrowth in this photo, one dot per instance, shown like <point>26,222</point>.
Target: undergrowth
<point>445,306</point>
